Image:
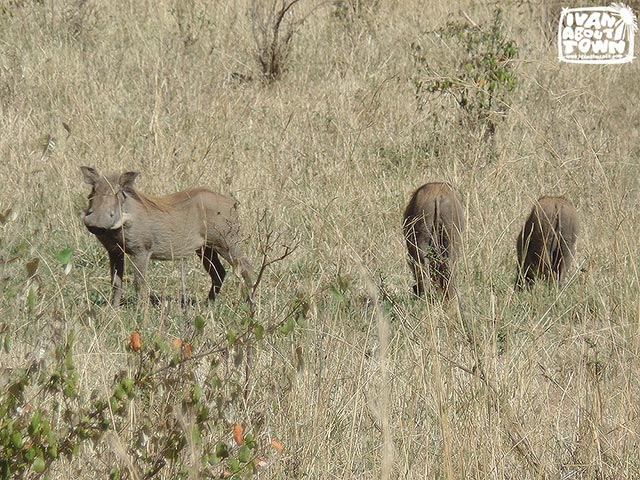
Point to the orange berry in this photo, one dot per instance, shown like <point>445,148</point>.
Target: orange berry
<point>237,434</point>
<point>135,342</point>
<point>277,445</point>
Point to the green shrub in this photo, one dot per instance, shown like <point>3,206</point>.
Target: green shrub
<point>480,74</point>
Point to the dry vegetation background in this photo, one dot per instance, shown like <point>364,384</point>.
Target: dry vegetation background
<point>370,382</point>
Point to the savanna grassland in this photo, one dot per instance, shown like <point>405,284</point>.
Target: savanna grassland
<point>340,365</point>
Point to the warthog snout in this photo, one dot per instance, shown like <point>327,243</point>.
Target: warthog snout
<point>433,223</point>
<point>546,243</point>
<point>170,227</point>
<point>105,207</point>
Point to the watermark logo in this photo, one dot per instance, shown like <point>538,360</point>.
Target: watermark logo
<point>597,34</point>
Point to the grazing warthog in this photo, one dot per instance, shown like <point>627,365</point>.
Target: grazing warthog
<point>163,228</point>
<point>546,243</point>
<point>433,223</point>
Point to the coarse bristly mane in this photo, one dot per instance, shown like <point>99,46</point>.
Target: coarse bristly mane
<point>153,203</point>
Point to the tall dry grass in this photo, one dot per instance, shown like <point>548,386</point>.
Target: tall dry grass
<point>542,384</point>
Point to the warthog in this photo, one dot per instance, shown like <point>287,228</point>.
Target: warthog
<point>433,223</point>
<point>163,228</point>
<point>546,243</point>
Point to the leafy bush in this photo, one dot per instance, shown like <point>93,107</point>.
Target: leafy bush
<point>481,76</point>
<point>182,385</point>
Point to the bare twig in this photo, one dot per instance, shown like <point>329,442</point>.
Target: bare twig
<point>266,263</point>
<point>267,244</point>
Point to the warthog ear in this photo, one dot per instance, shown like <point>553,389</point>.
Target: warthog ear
<point>90,175</point>
<point>127,179</point>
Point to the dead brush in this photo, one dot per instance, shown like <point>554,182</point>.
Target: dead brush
<point>273,31</point>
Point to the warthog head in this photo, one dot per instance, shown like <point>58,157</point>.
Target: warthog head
<point>107,200</point>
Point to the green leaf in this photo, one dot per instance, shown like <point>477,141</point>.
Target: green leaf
<point>222,451</point>
<point>53,444</point>
<point>38,465</point>
<point>199,323</point>
<point>16,439</point>
<point>197,393</point>
<point>203,414</point>
<point>30,455</point>
<point>244,454</point>
<point>70,390</point>
<point>234,465</point>
<point>127,385</point>
<point>68,361</point>
<point>249,441</point>
<point>46,429</point>
<point>175,360</point>
<point>64,256</point>
<point>35,422</point>
<point>287,327</point>
<point>115,473</point>
<point>119,392</point>
<point>337,295</point>
<point>258,331</point>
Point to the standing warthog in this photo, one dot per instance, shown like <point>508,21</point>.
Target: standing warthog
<point>433,223</point>
<point>163,228</point>
<point>546,243</point>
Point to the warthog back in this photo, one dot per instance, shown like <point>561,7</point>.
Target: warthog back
<point>545,246</point>
<point>433,223</point>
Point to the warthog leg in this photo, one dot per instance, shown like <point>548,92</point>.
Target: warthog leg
<point>140,263</point>
<point>116,264</point>
<point>214,268</point>
<point>430,260</point>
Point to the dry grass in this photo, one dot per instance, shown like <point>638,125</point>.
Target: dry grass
<point>382,385</point>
